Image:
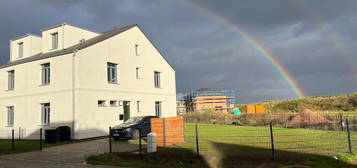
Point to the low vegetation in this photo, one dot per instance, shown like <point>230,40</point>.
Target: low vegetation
<point>327,103</point>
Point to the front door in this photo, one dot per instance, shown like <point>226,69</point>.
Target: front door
<point>126,106</point>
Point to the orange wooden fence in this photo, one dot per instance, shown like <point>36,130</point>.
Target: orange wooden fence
<point>168,131</point>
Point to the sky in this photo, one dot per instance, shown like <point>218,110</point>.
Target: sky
<point>215,44</point>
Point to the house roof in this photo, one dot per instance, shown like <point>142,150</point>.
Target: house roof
<point>59,25</point>
<point>68,50</point>
<point>20,37</point>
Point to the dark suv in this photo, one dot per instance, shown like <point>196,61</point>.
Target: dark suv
<point>130,128</point>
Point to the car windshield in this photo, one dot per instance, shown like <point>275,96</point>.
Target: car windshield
<point>133,120</point>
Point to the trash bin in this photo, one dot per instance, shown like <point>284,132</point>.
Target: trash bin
<point>50,136</point>
<point>63,133</point>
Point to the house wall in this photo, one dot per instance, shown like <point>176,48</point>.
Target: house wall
<point>92,85</point>
<point>28,94</point>
<point>67,36</point>
<point>31,46</point>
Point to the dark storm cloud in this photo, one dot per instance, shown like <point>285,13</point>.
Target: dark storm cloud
<point>302,34</point>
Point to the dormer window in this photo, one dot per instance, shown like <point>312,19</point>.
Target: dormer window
<point>21,49</point>
<point>54,40</point>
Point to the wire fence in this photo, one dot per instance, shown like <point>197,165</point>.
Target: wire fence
<point>321,138</point>
<point>21,140</point>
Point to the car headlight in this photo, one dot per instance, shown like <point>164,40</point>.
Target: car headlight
<point>128,130</point>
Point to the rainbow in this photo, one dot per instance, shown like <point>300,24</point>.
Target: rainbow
<point>258,46</point>
<point>333,36</point>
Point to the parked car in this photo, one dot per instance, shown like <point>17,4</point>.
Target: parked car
<point>130,128</point>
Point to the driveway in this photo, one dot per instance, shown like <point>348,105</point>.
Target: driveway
<point>64,156</point>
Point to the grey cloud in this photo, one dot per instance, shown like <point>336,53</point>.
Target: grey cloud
<point>209,53</point>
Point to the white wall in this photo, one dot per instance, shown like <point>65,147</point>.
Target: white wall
<point>67,36</point>
<point>28,95</point>
<point>92,85</point>
<point>31,46</point>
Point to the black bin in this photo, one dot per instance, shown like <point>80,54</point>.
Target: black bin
<point>63,133</point>
<point>51,136</point>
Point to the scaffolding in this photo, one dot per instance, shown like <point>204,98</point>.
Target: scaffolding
<point>216,97</point>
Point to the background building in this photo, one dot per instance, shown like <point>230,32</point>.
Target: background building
<point>208,99</point>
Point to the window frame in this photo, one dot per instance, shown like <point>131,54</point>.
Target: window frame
<point>45,74</point>
<point>54,41</point>
<point>158,108</point>
<point>20,49</point>
<point>157,79</point>
<point>45,113</point>
<point>137,72</point>
<point>112,72</point>
<point>10,118</point>
<point>11,80</point>
<point>138,105</point>
<point>137,50</point>
<point>101,104</point>
<point>113,105</point>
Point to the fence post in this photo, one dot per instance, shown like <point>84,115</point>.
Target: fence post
<point>41,139</point>
<point>140,142</point>
<point>110,139</point>
<point>224,120</point>
<point>272,141</point>
<point>341,122</point>
<point>12,140</point>
<point>19,133</point>
<point>348,136</point>
<point>197,147</point>
<point>164,130</point>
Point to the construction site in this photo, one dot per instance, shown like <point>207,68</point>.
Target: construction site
<point>209,99</point>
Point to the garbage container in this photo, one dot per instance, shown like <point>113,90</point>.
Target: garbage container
<point>63,133</point>
<point>50,136</point>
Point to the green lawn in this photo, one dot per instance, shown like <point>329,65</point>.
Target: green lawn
<point>227,145</point>
<point>228,139</point>
<point>24,146</point>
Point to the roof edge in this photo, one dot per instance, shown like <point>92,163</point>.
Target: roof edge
<point>63,24</point>
<point>23,36</point>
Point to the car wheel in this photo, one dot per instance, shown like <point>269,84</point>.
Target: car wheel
<point>135,134</point>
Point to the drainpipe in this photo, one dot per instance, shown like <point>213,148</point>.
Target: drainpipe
<point>73,92</point>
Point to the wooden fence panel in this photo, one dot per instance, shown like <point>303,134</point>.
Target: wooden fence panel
<point>168,132</point>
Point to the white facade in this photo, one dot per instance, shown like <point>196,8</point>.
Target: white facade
<point>78,81</point>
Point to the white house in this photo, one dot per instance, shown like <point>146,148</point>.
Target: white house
<point>88,81</point>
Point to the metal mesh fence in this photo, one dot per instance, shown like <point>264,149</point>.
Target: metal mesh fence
<point>317,137</point>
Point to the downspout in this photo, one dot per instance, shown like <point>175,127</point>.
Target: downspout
<point>63,36</point>
<point>73,92</point>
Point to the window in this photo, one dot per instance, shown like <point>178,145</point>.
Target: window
<point>157,79</point>
<point>137,49</point>
<point>54,40</point>
<point>113,103</point>
<point>11,80</point>
<point>101,103</point>
<point>45,113</point>
<point>158,109</point>
<point>21,49</point>
<point>46,74</point>
<point>138,106</point>
<point>137,73</point>
<point>10,116</point>
<point>112,73</point>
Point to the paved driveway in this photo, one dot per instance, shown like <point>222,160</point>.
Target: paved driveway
<point>64,156</point>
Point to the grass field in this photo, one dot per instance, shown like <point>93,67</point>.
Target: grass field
<point>24,146</point>
<point>228,139</point>
<point>243,146</point>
